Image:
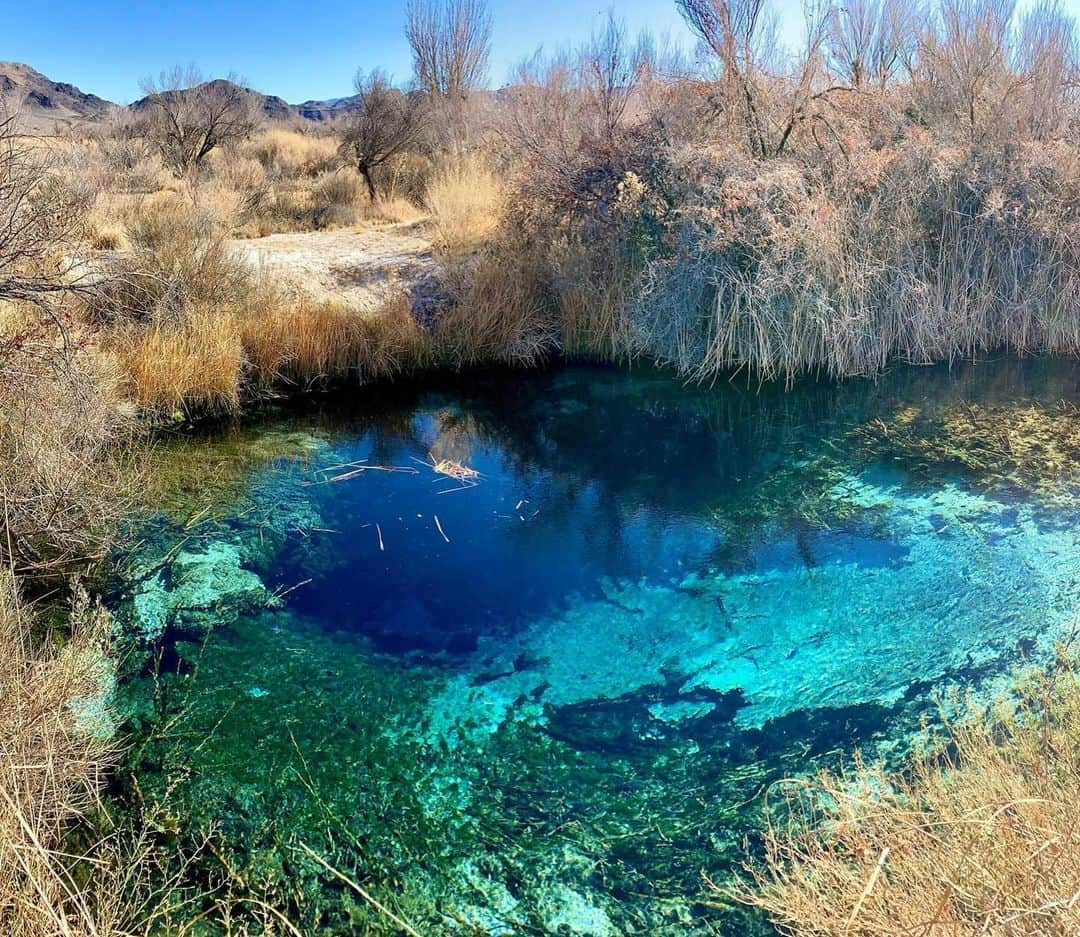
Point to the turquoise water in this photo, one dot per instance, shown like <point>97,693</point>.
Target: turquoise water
<point>545,695</point>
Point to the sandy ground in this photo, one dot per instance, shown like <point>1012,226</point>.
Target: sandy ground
<point>365,268</point>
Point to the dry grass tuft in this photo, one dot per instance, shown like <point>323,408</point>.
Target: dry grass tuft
<point>466,200</point>
<point>303,341</point>
<point>54,752</point>
<point>499,312</point>
<point>194,364</point>
<point>982,838</point>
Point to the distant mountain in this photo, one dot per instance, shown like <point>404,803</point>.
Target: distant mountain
<point>327,110</point>
<point>42,102</point>
<point>270,107</point>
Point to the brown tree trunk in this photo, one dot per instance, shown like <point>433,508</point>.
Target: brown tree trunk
<point>365,171</point>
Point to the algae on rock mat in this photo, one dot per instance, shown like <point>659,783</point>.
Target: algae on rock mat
<point>549,700</point>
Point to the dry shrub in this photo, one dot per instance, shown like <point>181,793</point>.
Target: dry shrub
<point>179,262</point>
<point>405,177</point>
<point>106,235</point>
<point>54,751</point>
<point>389,210</point>
<point>335,198</point>
<point>289,153</point>
<point>466,199</point>
<point>62,454</point>
<point>237,192</point>
<point>922,254</point>
<point>982,838</point>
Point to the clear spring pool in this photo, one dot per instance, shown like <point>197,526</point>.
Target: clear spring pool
<point>521,653</point>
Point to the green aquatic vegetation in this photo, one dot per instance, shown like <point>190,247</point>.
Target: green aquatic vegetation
<point>193,478</point>
<point>282,741</point>
<point>1029,447</point>
<point>809,494</point>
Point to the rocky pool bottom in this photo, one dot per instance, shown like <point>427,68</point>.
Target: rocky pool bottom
<point>547,698</point>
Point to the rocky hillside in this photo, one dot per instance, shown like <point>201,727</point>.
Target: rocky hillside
<point>43,103</point>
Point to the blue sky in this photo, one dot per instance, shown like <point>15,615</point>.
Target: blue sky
<point>298,50</point>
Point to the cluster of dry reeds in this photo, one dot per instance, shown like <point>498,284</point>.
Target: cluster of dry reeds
<point>54,750</point>
<point>980,837</point>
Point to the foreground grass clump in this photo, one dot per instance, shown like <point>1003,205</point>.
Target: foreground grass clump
<point>978,838</point>
<point>55,751</point>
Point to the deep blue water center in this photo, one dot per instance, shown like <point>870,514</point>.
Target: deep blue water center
<point>539,640</point>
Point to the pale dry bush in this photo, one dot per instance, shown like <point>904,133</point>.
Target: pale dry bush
<point>179,261</point>
<point>63,455</point>
<point>288,153</point>
<point>336,198</point>
<point>55,750</point>
<point>922,253</point>
<point>981,838</point>
<point>236,191</point>
<point>387,210</point>
<point>405,177</point>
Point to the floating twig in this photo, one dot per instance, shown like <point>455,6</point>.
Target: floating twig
<point>441,531</point>
<point>468,477</point>
<point>358,468</point>
<point>276,596</point>
<point>381,908</point>
<point>378,530</point>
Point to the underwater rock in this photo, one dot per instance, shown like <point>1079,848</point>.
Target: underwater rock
<point>567,911</point>
<point>197,591</point>
<point>94,713</point>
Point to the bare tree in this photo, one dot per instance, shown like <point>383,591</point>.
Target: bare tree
<point>964,75</point>
<point>451,48</point>
<point>387,122</point>
<point>40,220</point>
<point>187,117</point>
<point>740,34</point>
<point>870,40</point>
<point>770,105</point>
<point>1047,54</point>
<point>612,70</point>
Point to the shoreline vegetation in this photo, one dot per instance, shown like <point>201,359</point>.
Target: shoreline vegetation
<point>903,188</point>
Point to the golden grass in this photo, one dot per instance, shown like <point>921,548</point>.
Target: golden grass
<point>980,838</point>
<point>194,365</point>
<point>466,200</point>
<point>195,329</point>
<point>286,152</point>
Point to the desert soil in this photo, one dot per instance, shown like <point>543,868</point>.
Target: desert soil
<point>364,268</point>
